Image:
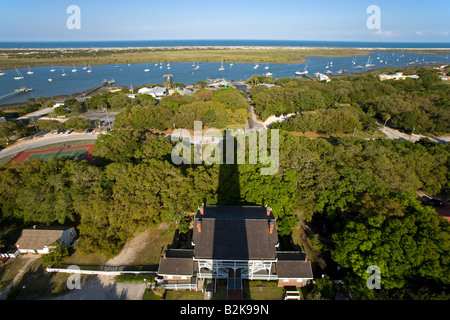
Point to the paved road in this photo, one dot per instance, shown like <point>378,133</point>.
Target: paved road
<point>395,134</point>
<point>49,138</point>
<point>252,122</point>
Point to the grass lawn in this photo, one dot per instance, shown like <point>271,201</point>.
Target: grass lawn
<point>156,243</point>
<point>184,295</point>
<point>9,270</point>
<point>149,295</point>
<point>252,292</point>
<point>80,259</point>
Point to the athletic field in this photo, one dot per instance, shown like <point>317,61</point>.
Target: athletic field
<point>78,152</point>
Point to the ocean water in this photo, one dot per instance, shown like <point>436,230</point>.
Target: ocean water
<point>183,72</point>
<point>184,43</point>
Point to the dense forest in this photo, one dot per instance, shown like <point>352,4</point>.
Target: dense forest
<point>358,196</point>
<point>421,105</point>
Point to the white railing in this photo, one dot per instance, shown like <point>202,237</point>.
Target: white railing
<point>267,277</point>
<point>210,275</point>
<point>179,286</point>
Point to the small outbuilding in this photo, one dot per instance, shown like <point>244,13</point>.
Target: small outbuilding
<point>40,239</point>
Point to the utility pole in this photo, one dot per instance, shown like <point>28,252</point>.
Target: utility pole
<point>411,134</point>
<point>107,117</point>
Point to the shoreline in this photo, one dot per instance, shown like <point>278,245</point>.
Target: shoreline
<point>227,47</point>
<point>20,58</point>
<point>11,58</point>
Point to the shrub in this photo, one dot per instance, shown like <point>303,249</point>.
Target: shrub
<point>56,255</point>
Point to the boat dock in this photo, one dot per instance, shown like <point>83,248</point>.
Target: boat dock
<point>93,90</point>
<point>15,93</point>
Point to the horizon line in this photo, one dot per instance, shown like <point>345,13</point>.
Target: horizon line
<point>275,40</point>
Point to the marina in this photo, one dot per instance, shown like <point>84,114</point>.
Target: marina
<point>53,80</point>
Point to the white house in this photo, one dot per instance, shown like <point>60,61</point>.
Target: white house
<point>56,105</point>
<point>155,92</point>
<point>322,77</point>
<point>396,76</point>
<point>40,239</point>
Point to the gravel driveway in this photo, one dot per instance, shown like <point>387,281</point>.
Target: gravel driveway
<point>105,288</point>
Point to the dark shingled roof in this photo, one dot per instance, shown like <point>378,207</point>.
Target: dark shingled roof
<point>235,233</point>
<point>37,239</point>
<point>177,262</point>
<point>293,265</point>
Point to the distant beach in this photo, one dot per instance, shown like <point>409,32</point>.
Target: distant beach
<point>11,58</point>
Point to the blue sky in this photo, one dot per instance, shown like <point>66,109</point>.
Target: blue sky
<point>345,20</point>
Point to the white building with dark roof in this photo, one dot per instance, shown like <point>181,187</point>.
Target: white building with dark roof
<point>40,239</point>
<point>233,243</point>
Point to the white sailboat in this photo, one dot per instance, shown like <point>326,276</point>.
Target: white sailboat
<point>256,66</point>
<point>74,69</point>
<point>269,74</point>
<point>19,75</point>
<point>50,80</point>
<point>198,66</point>
<point>85,66</point>
<point>2,73</point>
<point>299,73</point>
<point>231,64</point>
<point>63,73</point>
<point>368,64</point>
<point>146,69</point>
<point>29,71</point>
<point>221,67</point>
<point>52,69</point>
<point>267,66</point>
<point>89,70</point>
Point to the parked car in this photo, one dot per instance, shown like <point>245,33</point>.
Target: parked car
<point>89,130</point>
<point>68,131</point>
